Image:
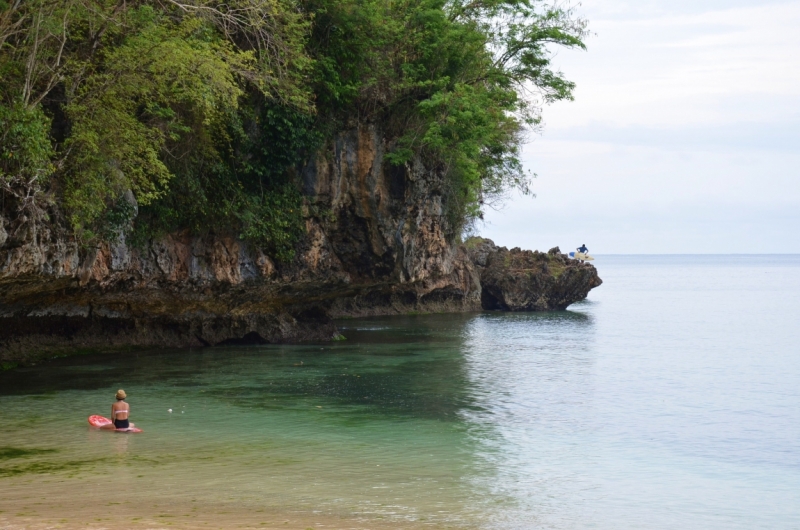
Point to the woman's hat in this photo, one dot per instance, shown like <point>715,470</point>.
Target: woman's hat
<point>121,394</point>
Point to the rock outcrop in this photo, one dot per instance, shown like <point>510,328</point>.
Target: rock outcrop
<point>377,242</point>
<point>521,280</point>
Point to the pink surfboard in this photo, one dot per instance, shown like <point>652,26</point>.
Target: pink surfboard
<point>100,421</point>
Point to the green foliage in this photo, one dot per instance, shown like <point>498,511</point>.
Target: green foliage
<point>203,109</point>
<point>115,220</point>
<point>141,91</point>
<point>155,89</point>
<point>26,166</point>
<point>26,150</point>
<point>473,242</point>
<point>457,82</point>
<point>242,182</point>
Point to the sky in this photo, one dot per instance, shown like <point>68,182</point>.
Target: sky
<point>684,136</point>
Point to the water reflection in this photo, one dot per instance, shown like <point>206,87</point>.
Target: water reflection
<point>371,427</point>
<point>670,403</point>
<point>530,377</point>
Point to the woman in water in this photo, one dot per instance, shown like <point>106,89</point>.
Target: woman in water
<point>119,413</point>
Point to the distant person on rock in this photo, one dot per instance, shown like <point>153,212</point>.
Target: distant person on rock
<point>583,249</point>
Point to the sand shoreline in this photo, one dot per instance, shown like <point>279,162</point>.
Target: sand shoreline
<point>43,502</point>
<point>147,517</point>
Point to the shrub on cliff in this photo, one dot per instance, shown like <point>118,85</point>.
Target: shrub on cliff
<point>141,95</point>
<point>202,108</point>
<point>457,81</point>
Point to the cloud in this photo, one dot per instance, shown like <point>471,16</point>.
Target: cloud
<point>719,66</point>
<point>685,131</point>
<point>778,136</point>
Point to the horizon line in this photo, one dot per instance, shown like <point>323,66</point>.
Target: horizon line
<point>705,254</point>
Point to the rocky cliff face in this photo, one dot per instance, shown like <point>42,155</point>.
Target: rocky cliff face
<point>376,243</point>
<point>521,280</point>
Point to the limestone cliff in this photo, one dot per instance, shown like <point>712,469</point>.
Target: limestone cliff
<point>377,242</point>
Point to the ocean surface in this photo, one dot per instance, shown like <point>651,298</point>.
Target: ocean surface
<point>670,398</point>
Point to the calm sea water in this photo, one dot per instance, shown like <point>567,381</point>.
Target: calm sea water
<point>669,399</point>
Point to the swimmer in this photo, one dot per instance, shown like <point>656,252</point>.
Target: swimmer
<point>120,411</point>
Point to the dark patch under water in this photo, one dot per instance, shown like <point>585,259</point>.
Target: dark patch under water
<point>69,467</point>
<point>668,400</point>
<point>7,453</point>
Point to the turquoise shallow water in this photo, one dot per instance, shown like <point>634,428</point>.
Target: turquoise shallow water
<point>669,399</point>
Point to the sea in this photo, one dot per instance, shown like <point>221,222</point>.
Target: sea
<point>669,398</point>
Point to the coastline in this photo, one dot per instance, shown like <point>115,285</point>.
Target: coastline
<point>124,310</point>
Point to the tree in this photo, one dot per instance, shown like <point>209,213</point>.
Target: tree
<point>130,84</point>
<point>457,81</point>
<point>202,108</point>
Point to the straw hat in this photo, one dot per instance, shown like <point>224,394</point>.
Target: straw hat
<point>121,394</point>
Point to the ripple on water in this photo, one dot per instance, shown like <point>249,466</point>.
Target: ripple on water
<point>666,400</point>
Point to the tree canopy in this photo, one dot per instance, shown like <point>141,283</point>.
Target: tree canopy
<point>202,108</point>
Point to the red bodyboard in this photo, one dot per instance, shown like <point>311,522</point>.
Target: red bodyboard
<point>100,421</point>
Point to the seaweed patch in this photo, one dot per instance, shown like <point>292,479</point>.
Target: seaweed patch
<point>7,453</point>
<point>49,467</point>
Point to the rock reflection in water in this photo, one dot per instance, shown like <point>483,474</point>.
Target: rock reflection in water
<point>642,408</point>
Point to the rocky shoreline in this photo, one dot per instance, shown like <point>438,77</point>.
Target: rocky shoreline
<point>377,243</point>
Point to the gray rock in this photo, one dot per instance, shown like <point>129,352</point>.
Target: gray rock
<point>377,242</point>
<point>521,280</point>
<point>479,250</point>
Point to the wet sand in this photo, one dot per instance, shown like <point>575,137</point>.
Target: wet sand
<point>56,503</point>
<point>116,494</point>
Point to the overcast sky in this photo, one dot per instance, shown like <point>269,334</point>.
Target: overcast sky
<point>684,136</point>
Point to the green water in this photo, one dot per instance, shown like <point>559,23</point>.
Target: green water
<point>371,427</point>
<point>669,399</point>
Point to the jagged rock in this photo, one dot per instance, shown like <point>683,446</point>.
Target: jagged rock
<point>377,242</point>
<point>457,291</point>
<point>521,280</point>
<point>479,250</point>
